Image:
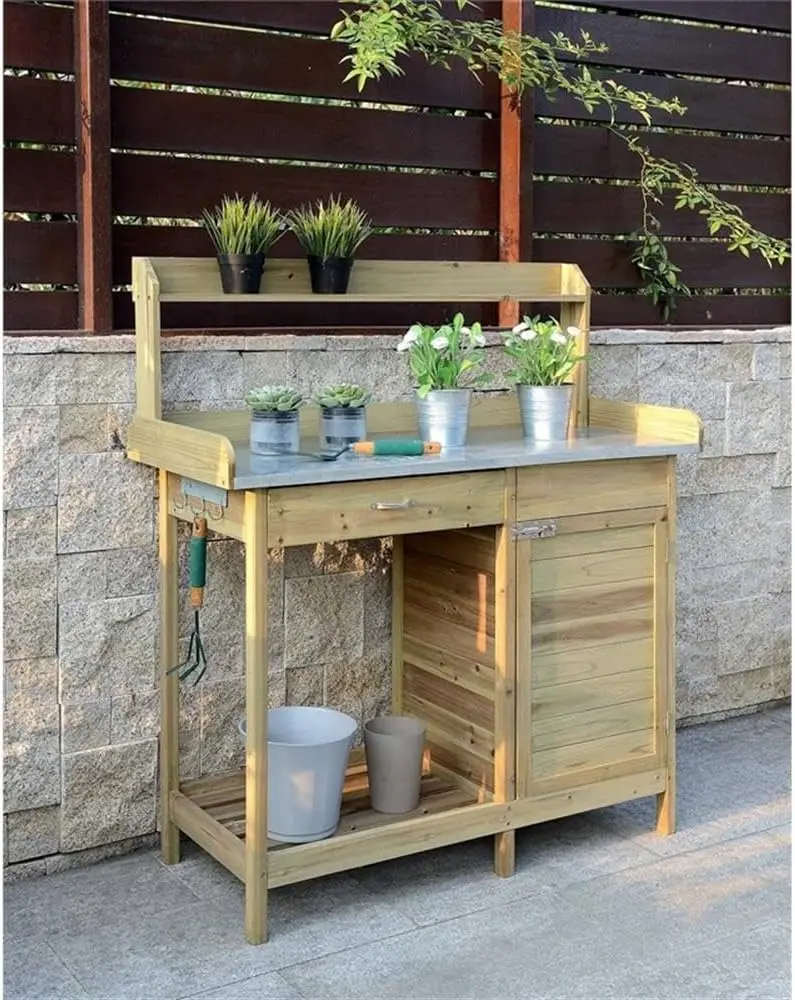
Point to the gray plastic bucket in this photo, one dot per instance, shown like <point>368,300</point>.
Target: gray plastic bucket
<point>308,749</point>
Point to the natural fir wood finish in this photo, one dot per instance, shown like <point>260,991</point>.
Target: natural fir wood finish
<point>542,667</point>
<point>169,682</point>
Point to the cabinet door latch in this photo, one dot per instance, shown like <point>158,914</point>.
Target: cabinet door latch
<point>534,529</point>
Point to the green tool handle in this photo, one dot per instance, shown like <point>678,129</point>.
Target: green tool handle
<point>197,561</point>
<point>396,446</point>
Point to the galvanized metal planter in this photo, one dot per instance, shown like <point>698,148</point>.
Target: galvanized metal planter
<point>341,426</point>
<point>274,432</point>
<point>545,411</point>
<point>443,416</point>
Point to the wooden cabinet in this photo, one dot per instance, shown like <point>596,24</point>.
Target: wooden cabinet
<point>593,619</point>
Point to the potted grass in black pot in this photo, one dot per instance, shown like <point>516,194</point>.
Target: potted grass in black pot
<point>242,232</point>
<point>330,233</point>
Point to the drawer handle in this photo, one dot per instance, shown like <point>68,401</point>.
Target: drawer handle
<point>393,504</point>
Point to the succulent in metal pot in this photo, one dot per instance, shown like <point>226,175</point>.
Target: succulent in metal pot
<point>272,398</point>
<point>343,394</point>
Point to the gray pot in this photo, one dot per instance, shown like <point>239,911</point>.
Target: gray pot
<point>443,416</point>
<point>274,432</point>
<point>545,411</point>
<point>341,426</point>
<point>393,745</point>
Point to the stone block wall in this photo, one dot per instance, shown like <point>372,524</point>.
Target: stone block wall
<point>80,638</point>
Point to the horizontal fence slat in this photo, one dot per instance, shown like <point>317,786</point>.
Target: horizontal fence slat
<point>40,311</point>
<point>719,107</point>
<point>162,186</point>
<point>607,263</point>
<point>201,123</point>
<point>773,14</point>
<point>673,48</point>
<point>37,37</point>
<point>38,110</point>
<point>39,181</point>
<point>185,241</point>
<point>321,315</point>
<point>581,151</point>
<point>559,207</point>
<point>307,16</point>
<point>628,311</point>
<point>198,55</point>
<point>40,252</point>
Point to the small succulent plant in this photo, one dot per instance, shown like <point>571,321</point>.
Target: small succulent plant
<point>272,398</point>
<point>343,394</point>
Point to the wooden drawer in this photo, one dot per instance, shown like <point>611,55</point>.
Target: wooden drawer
<point>591,487</point>
<point>378,507</point>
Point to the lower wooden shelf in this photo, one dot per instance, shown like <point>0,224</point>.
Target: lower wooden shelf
<point>223,797</point>
<point>212,812</point>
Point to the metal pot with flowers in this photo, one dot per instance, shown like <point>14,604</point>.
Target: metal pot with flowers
<point>446,362</point>
<point>342,414</point>
<point>274,419</point>
<point>544,357</point>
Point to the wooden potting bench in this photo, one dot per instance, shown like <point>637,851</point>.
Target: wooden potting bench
<point>533,589</point>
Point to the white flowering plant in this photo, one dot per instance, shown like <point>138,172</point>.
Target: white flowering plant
<point>542,352</point>
<point>445,357</point>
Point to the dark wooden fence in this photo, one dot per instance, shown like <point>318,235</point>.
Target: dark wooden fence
<point>421,155</point>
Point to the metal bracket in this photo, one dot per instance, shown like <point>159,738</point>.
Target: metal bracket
<point>212,499</point>
<point>534,529</point>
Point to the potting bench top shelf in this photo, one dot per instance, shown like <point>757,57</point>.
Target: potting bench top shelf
<point>211,447</point>
<point>197,279</point>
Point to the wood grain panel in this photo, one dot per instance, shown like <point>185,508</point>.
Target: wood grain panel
<point>40,252</point>
<point>578,151</point>
<point>674,48</point>
<point>454,700</point>
<point>608,262</point>
<point>38,110</point>
<point>601,630</point>
<point>588,208</point>
<point>39,181</point>
<point>198,54</point>
<point>702,311</point>
<point>181,188</point>
<point>448,635</point>
<point>570,606</point>
<point>24,311</point>
<point>593,753</point>
<point>445,591</point>
<point>439,502</point>
<point>202,123</point>
<point>473,549</point>
<point>588,488</point>
<point>465,672</point>
<point>37,37</point>
<point>594,724</point>
<point>556,575</point>
<point>713,106</point>
<point>582,543</point>
<point>775,14</point>
<point>570,699</point>
<point>567,666</point>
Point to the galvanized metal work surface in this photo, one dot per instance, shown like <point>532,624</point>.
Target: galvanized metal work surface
<point>488,448</point>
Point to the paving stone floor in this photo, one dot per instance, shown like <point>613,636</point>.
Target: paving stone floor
<point>600,907</point>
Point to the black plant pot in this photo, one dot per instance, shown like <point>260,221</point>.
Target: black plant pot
<point>241,273</point>
<point>330,276</point>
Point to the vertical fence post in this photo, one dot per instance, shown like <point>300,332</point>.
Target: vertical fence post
<point>527,149</point>
<point>510,168</point>
<point>92,110</point>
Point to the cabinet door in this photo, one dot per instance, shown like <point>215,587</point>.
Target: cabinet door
<point>592,645</point>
